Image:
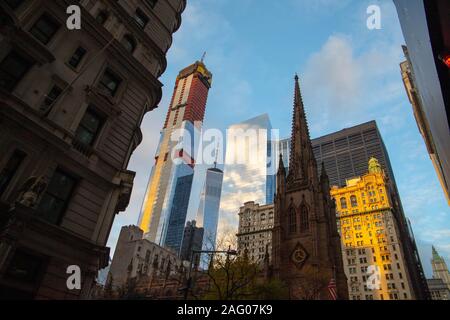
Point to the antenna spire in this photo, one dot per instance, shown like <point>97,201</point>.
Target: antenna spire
<point>203,57</point>
<point>217,155</point>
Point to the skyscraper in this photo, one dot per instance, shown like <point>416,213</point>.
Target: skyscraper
<point>306,248</point>
<point>208,211</point>
<point>246,167</point>
<point>164,209</point>
<point>345,154</point>
<point>192,241</point>
<point>71,107</point>
<point>425,29</point>
<point>371,247</point>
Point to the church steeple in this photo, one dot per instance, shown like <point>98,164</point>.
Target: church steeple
<point>301,150</point>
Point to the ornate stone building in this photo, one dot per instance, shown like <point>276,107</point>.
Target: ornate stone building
<point>136,257</point>
<point>255,230</point>
<point>71,104</point>
<point>373,252</point>
<point>306,248</point>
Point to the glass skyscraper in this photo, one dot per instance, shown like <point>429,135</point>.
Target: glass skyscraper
<point>165,204</point>
<point>248,165</point>
<point>208,212</point>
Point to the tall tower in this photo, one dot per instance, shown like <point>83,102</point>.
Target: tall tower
<point>306,245</point>
<point>440,270</point>
<point>208,211</point>
<point>165,204</point>
<point>246,169</point>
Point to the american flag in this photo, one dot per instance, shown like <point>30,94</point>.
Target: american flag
<point>332,289</point>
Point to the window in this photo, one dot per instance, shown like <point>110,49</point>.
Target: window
<point>13,4</point>
<point>89,127</point>
<point>25,267</point>
<point>56,197</point>
<point>101,17</point>
<point>45,28</point>
<point>77,57</point>
<point>343,203</point>
<point>129,43</point>
<point>12,69</point>
<point>110,82</point>
<point>8,172</point>
<point>263,217</point>
<point>140,18</point>
<point>304,219</point>
<point>292,221</point>
<point>50,99</point>
<point>353,201</point>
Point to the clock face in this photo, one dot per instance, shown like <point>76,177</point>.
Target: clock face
<point>299,256</point>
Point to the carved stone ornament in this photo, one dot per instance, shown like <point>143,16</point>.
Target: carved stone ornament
<point>299,256</point>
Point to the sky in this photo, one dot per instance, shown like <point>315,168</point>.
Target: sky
<point>348,75</point>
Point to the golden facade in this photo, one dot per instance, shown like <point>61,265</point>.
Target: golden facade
<point>372,252</point>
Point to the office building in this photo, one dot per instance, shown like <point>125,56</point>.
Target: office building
<point>71,106</point>
<point>164,210</point>
<point>192,242</point>
<point>373,256</point>
<point>426,75</point>
<point>247,162</point>
<point>345,155</point>
<point>208,211</point>
<point>254,237</point>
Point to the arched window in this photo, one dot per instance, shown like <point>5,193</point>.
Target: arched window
<point>353,201</point>
<point>263,217</point>
<point>129,43</point>
<point>343,203</point>
<point>304,219</point>
<point>292,221</point>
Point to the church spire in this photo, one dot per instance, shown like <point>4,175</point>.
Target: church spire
<point>301,149</point>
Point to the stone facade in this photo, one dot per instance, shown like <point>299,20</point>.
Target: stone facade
<point>371,244</point>
<point>439,285</point>
<point>255,231</point>
<point>306,252</point>
<point>71,104</point>
<point>136,257</point>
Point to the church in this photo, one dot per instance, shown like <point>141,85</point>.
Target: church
<point>306,248</point>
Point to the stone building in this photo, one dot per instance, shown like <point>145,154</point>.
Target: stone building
<point>439,285</point>
<point>255,230</point>
<point>136,257</point>
<point>71,104</point>
<point>306,251</point>
<point>438,289</point>
<point>373,254</point>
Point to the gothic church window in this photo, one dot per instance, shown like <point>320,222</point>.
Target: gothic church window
<point>292,221</point>
<point>304,219</point>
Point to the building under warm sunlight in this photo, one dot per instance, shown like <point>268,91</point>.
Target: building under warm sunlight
<point>371,248</point>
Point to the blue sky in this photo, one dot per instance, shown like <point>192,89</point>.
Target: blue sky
<point>348,73</point>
